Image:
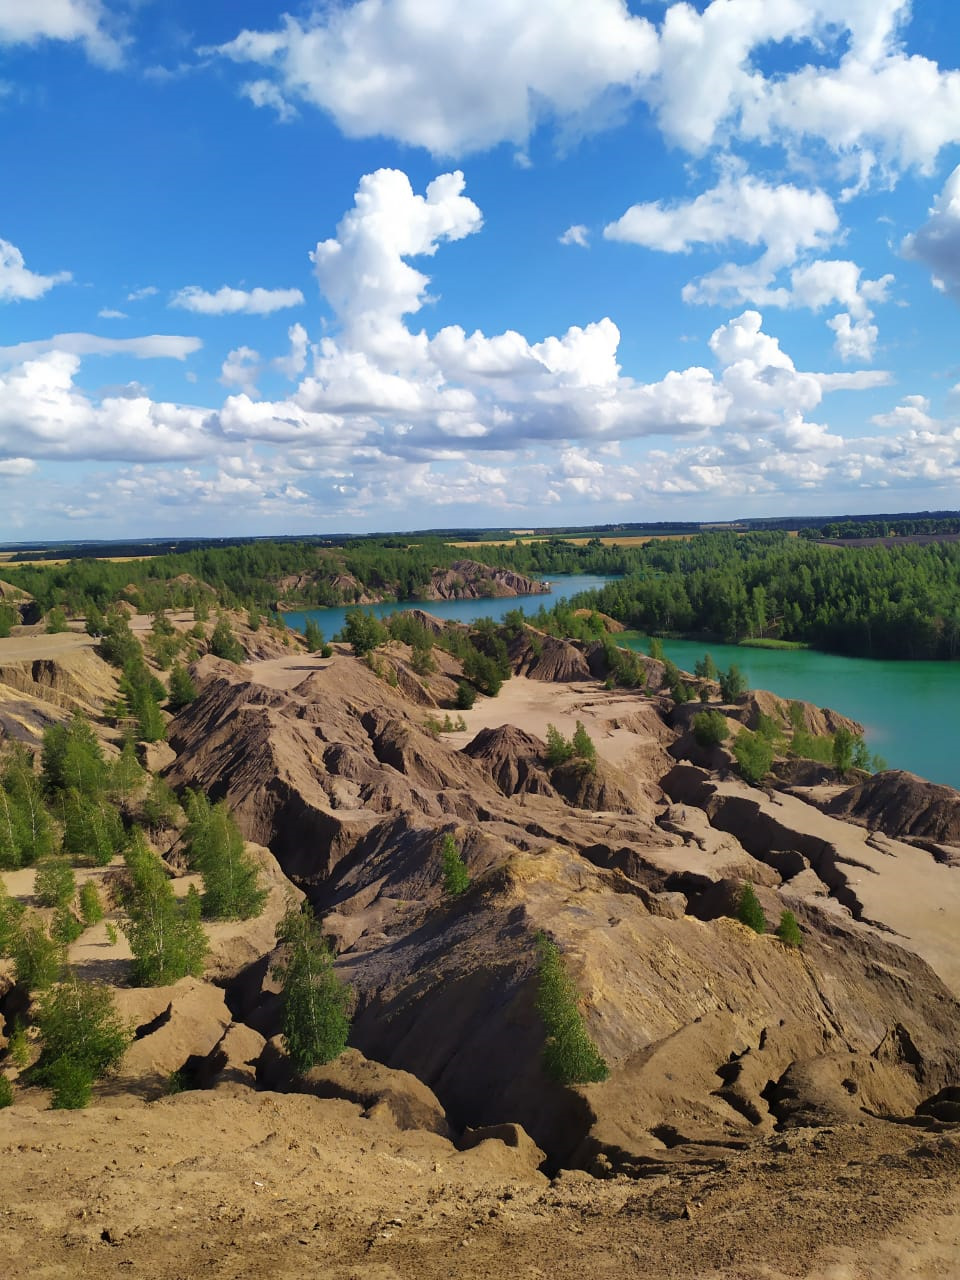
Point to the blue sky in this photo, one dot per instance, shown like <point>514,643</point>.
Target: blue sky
<point>395,264</point>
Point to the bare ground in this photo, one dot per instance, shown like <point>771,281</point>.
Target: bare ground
<point>281,1186</point>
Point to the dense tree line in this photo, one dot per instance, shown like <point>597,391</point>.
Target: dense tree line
<point>885,527</point>
<point>881,602</point>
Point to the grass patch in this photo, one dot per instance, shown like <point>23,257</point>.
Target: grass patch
<point>759,642</point>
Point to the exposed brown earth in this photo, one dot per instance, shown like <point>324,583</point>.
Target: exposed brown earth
<point>770,1112</point>
<point>901,804</point>
<point>463,580</point>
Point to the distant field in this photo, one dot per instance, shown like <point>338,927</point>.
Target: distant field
<point>612,540</point>
<point>624,540</point>
<point>6,558</point>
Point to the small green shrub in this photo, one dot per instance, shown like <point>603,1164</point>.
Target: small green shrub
<point>55,885</point>
<point>91,908</point>
<point>56,621</point>
<point>37,958</point>
<point>18,1046</point>
<point>569,1055</point>
<point>710,728</point>
<point>754,756</point>
<point>182,690</point>
<point>6,1092</point>
<point>65,927</point>
<point>749,910</point>
<point>71,1082</point>
<point>466,696</point>
<point>788,930</point>
<point>582,743</point>
<point>315,1017</point>
<point>224,644</point>
<point>559,748</point>
<point>733,684</point>
<point>456,878</point>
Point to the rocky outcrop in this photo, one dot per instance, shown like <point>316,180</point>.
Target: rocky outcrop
<point>471,580</point>
<point>901,804</point>
<point>539,656</point>
<point>818,721</point>
<point>385,1093</point>
<point>172,1025</point>
<point>513,758</point>
<point>462,580</point>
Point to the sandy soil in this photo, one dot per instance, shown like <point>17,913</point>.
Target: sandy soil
<point>30,644</point>
<point>529,704</point>
<point>282,1187</point>
<point>902,888</point>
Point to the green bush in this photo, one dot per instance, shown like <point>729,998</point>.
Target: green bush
<point>754,756</point>
<point>9,617</point>
<point>710,728</point>
<point>71,1082</point>
<point>73,758</point>
<point>215,848</point>
<point>224,644</point>
<point>56,621</point>
<point>456,878</point>
<point>93,830</point>
<point>6,1092</point>
<point>313,635</point>
<point>733,684</point>
<point>182,690</point>
<point>788,930</point>
<point>569,1055</point>
<point>422,660</point>
<point>749,910</point>
<point>55,884</point>
<point>466,696</point>
<point>26,830</point>
<point>706,668</point>
<point>18,1046</point>
<point>78,1022</point>
<point>582,743</point>
<point>91,908</point>
<point>165,936</point>
<point>559,748</point>
<point>160,805</point>
<point>37,958</point>
<point>843,748</point>
<point>364,632</point>
<point>65,927</point>
<point>315,1002</point>
<point>126,774</point>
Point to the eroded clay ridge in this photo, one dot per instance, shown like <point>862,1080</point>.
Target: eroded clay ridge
<point>713,1034</point>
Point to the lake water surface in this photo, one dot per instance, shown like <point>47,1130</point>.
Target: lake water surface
<point>907,708</point>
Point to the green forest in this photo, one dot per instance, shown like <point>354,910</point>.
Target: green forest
<point>890,601</point>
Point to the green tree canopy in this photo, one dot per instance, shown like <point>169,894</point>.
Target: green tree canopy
<point>315,1016</point>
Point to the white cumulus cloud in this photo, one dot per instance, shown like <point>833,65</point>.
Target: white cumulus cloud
<point>577,234</point>
<point>157,346</point>
<point>17,283</point>
<point>430,73</point>
<point>782,219</point>
<point>30,21</point>
<point>937,243</point>
<point>226,301</point>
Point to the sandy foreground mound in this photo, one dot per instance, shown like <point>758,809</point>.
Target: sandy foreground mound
<point>285,1186</point>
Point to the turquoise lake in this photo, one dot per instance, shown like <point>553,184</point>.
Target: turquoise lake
<point>907,708</point>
